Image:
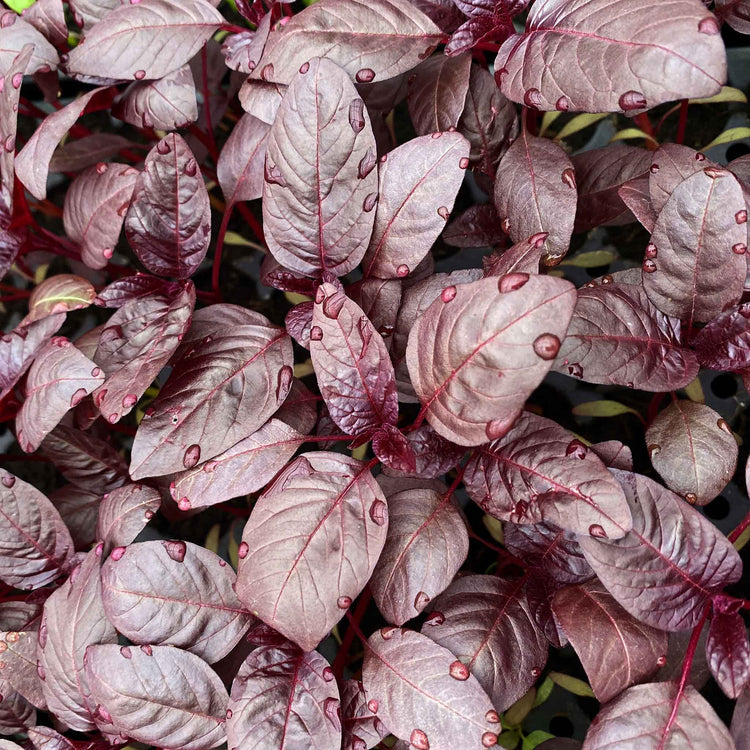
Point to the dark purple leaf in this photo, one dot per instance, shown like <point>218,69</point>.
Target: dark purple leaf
<point>58,380</point>
<point>240,166</point>
<point>600,173</point>
<point>477,226</point>
<point>523,257</point>
<point>79,509</point>
<point>262,99</point>
<point>654,54</point>
<point>88,12</point>
<point>724,344</point>
<point>11,245</point>
<point>647,715</point>
<point>695,264</point>
<point>418,184</point>
<point>20,615</point>
<point>145,40</point>
<point>540,472</point>
<point>158,695</point>
<point>300,409</point>
<point>425,547</point>
<point>220,391</point>
<point>360,724</point>
<point>32,162</point>
<point>46,738</point>
<point>393,449</point>
<point>128,288</point>
<point>673,561</point>
<point>502,328</point>
<point>136,343</point>
<point>174,593</point>
<point>18,665</point>
<point>635,195</point>
<point>615,649</point>
<point>59,293</point>
<point>489,122</point>
<point>615,454</point>
<point>48,17</point>
<point>298,322</point>
<point>283,697</point>
<point>426,695</point>
<point>315,535</point>
<point>76,155</point>
<point>433,454</point>
<point>535,191</point>
<point>693,449</point>
<point>727,647</point>
<point>369,40</point>
<point>736,13</point>
<point>73,620</point>
<point>124,513</point>
<point>352,365</point>
<point>16,714</point>
<point>273,274</point>
<point>243,51</point>
<point>741,722</point>
<point>380,300</point>
<point>677,645</point>
<point>670,165</point>
<point>15,34</point>
<point>618,337</point>
<point>443,12</point>
<point>318,213</point>
<point>168,224</point>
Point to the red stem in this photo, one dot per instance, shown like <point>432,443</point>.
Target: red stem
<point>207,107</point>
<point>643,122</point>
<point>219,247</point>
<point>682,122</point>
<point>346,643</point>
<point>737,532</point>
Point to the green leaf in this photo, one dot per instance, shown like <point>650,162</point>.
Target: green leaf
<point>694,391</point>
<point>591,259</point>
<point>530,741</point>
<point>19,5</point>
<point>579,122</point>
<point>727,94</point>
<point>547,119</point>
<point>212,539</point>
<point>543,691</point>
<point>631,133</point>
<point>733,134</point>
<point>603,408</point>
<point>509,740</point>
<point>572,684</point>
<point>520,709</point>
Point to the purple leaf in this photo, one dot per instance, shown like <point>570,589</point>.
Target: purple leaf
<point>95,206</point>
<point>380,300</point>
<point>35,542</point>
<point>535,191</point>
<point>418,184</point>
<point>46,738</point>
<point>60,293</point>
<point>673,561</point>
<point>670,165</point>
<point>79,509</point>
<point>283,697</point>
<point>426,695</point>
<point>298,322</point>
<point>443,12</point>
<point>168,224</point>
<point>124,513</point>
<point>360,724</point>
<point>167,103</point>
<point>502,328</point>
<point>220,391</point>
<point>243,51</point>
<point>244,468</point>
<point>273,274</point>
<point>434,456</point>
<point>174,593</point>
<point>19,348</point>
<point>73,620</point>
<point>695,266</point>
<point>727,647</point>
<point>32,162</point>
<point>600,173</point>
<point>652,715</point>
<point>11,244</point>
<point>18,665</point>
<point>48,17</point>
<point>19,615</point>
<point>741,721</point>
<point>158,695</point>
<point>88,12</point>
<point>724,344</point>
<point>76,155</point>
<point>489,122</point>
<point>352,365</point>
<point>437,90</point>
<point>369,40</point>
<point>136,343</point>
<point>128,288</point>
<point>615,649</point>
<point>635,195</point>
<point>693,449</point>
<point>16,714</point>
<point>736,13</point>
<point>477,226</point>
<point>241,162</point>
<point>539,472</point>
<point>318,213</point>
<point>58,380</point>
<point>147,40</point>
<point>618,337</point>
<point>485,621</point>
<point>425,547</point>
<point>316,535</point>
<point>15,34</point>
<point>393,449</point>
<point>614,454</point>
<point>523,257</point>
<point>262,99</point>
<point>654,55</point>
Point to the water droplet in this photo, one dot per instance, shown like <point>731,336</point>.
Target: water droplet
<point>365,75</point>
<point>7,19</point>
<point>356,115</point>
<point>458,671</point>
<point>536,672</point>
<point>332,710</point>
<point>344,602</point>
<point>367,164</point>
<point>708,25</point>
<point>435,136</point>
<point>387,632</point>
<point>443,213</point>
<point>448,294</point>
<point>489,739</point>
<point>16,80</point>
<point>175,419</point>
<point>3,649</point>
<point>284,382</point>
<point>691,498</point>
<point>369,202</point>
<point>492,717</point>
<point>435,618</point>
<point>653,450</point>
<point>40,671</point>
<point>328,674</point>
<point>608,279</point>
<point>113,417</point>
<point>419,740</point>
<point>266,72</point>
<point>379,513</point>
<point>651,250</point>
<point>654,168</point>
<point>126,652</point>
<point>547,346</point>
<point>562,104</point>
<point>576,449</point>
<point>78,396</point>
<point>741,216</point>
<point>175,549</point>
<point>648,266</point>
<point>229,714</point>
<point>8,480</point>
<point>272,174</point>
<point>538,239</point>
<point>464,163</point>
<point>661,661</point>
<point>316,333</point>
<point>192,456</point>
<point>117,553</point>
<point>243,550</point>
<point>631,100</point>
<point>533,98</point>
<point>512,281</point>
<point>10,143</point>
<point>333,305</point>
<point>147,650</point>
<point>304,68</point>
<point>739,249</point>
<point>222,564</point>
<point>498,427</point>
<point>139,75</point>
<point>148,515</point>
<point>505,225</point>
<point>722,425</point>
<point>568,177</point>
<point>373,706</point>
<point>129,400</point>
<point>96,372</point>
<point>173,490</point>
<point>715,172</point>
<point>191,167</point>
<point>596,530</point>
<point>402,271</point>
<point>421,600</point>
<point>163,147</point>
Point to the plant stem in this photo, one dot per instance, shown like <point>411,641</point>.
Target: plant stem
<point>346,643</point>
<point>219,247</point>
<point>682,122</point>
<point>643,122</point>
<point>735,534</point>
<point>207,108</point>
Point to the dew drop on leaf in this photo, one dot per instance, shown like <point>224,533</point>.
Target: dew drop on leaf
<point>369,202</point>
<point>387,632</point>
<point>741,217</point>
<point>651,250</point>
<point>458,671</point>
<point>511,282</point>
<point>568,178</point>
<point>40,671</point>
<point>356,115</point>
<point>533,98</point>
<point>419,740</point>
<point>576,449</point>
<point>708,25</point>
<point>373,706</point>
<point>489,739</point>
<point>8,480</point>
<point>464,163</point>
<point>739,249</point>
<point>316,333</point>
<point>126,652</point>
<point>597,531</point>
<point>379,513</point>
<point>229,714</point>
<point>435,618</point>
<point>547,346</point>
<point>304,68</point>
<point>192,456</point>
<point>365,75</point>
<point>448,294</point>
<point>402,271</point>
<point>631,100</point>
<point>421,600</point>
<point>332,710</point>
<point>147,650</point>
<point>129,400</point>
<point>328,674</point>
<point>492,717</point>
<point>175,549</point>
<point>78,396</point>
<point>654,168</point>
<point>344,602</point>
<point>692,498</point>
<point>648,266</point>
<point>562,104</point>
<point>242,550</point>
<point>443,212</point>
<point>117,553</point>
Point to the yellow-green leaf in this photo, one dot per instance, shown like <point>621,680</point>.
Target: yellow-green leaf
<point>572,684</point>
<point>535,738</point>
<point>234,547</point>
<point>742,539</point>
<point>509,740</point>
<point>543,691</point>
<point>694,391</point>
<point>360,451</point>
<point>603,408</point>
<point>630,133</point>
<point>727,94</point>
<point>591,259</point>
<point>579,122</point>
<point>212,539</point>
<point>19,5</point>
<point>294,299</point>
<point>547,119</point>
<point>494,527</point>
<point>303,369</point>
<point>520,709</point>
<point>733,134</point>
